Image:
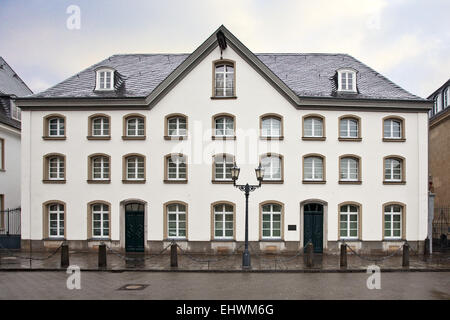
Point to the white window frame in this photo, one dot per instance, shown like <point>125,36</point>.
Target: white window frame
<point>178,130</point>
<point>344,81</point>
<point>391,213</point>
<point>139,121</point>
<point>177,161</point>
<point>101,79</point>
<point>269,132</point>
<point>347,213</point>
<point>271,221</point>
<point>104,168</point>
<point>438,101</point>
<point>16,112</point>
<point>223,165</point>
<point>2,154</point>
<point>177,221</point>
<point>267,162</point>
<point>102,212</point>
<point>314,167</point>
<point>59,168</point>
<point>104,121</point>
<point>135,172</point>
<point>223,220</point>
<point>348,131</point>
<point>222,92</point>
<point>58,220</point>
<point>389,165</point>
<point>391,122</point>
<point>345,174</point>
<point>226,132</point>
<point>446,98</point>
<point>315,121</point>
<point>60,127</point>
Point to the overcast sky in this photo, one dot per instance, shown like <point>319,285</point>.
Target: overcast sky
<point>406,40</point>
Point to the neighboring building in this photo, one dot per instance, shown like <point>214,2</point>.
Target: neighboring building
<point>439,145</point>
<point>11,87</point>
<point>137,150</point>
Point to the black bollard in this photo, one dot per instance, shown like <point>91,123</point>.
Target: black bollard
<point>173,255</point>
<point>309,255</point>
<point>405,260</point>
<point>343,262</point>
<point>426,247</point>
<point>64,256</point>
<point>102,256</point>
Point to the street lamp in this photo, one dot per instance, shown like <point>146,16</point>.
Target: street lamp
<point>247,189</point>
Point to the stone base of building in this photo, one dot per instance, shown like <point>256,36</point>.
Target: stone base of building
<point>226,247</point>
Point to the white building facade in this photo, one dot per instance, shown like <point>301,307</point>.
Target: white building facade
<point>109,161</point>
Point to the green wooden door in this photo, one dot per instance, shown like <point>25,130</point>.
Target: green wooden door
<point>134,227</point>
<point>313,226</point>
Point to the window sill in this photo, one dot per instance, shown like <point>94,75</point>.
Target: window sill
<point>350,139</point>
<point>54,239</point>
<point>133,138</point>
<point>271,240</point>
<point>394,240</point>
<point>222,181</point>
<point>134,181</point>
<point>314,138</point>
<point>223,138</point>
<point>175,181</point>
<point>175,137</point>
<point>176,239</point>
<point>393,140</point>
<point>314,182</point>
<point>91,181</point>
<point>394,182</point>
<point>271,138</point>
<point>222,240</point>
<point>54,181</point>
<point>272,181</point>
<point>98,138</point>
<point>350,182</point>
<point>53,138</point>
<point>349,240</point>
<point>98,239</point>
<point>223,98</point>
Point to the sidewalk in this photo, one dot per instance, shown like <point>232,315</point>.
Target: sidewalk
<point>116,262</point>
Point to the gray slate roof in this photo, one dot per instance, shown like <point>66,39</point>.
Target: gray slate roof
<point>308,75</point>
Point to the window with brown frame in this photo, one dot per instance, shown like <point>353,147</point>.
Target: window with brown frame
<point>271,217</point>
<point>313,127</point>
<point>175,168</point>
<point>99,168</point>
<point>223,223</point>
<point>349,169</point>
<point>394,215</point>
<point>393,129</point>
<point>314,169</point>
<point>271,127</point>
<point>176,220</point>
<point>394,170</point>
<point>134,127</point>
<point>224,127</point>
<point>176,127</point>
<point>273,170</point>
<point>99,127</point>
<point>99,220</point>
<point>224,79</point>
<point>349,221</point>
<point>54,220</point>
<point>54,168</point>
<point>350,128</point>
<point>134,168</point>
<point>54,127</point>
<point>221,171</point>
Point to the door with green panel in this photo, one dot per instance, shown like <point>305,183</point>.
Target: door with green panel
<point>134,227</point>
<point>313,226</point>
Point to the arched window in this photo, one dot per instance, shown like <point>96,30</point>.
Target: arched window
<point>54,219</point>
<point>394,169</point>
<point>54,127</point>
<point>222,164</point>
<point>393,129</point>
<point>347,80</point>
<point>99,219</point>
<point>175,168</point>
<point>54,168</point>
<point>349,220</point>
<point>272,165</point>
<point>99,127</point>
<point>349,128</point>
<point>176,220</point>
<point>349,169</point>
<point>271,220</point>
<point>313,127</point>
<point>176,126</point>
<point>313,168</point>
<point>134,168</point>
<point>99,168</point>
<point>271,126</point>
<point>223,217</point>
<point>134,127</point>
<point>224,126</point>
<point>393,220</point>
<point>224,79</point>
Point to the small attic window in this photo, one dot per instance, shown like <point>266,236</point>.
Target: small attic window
<point>105,79</point>
<point>347,80</point>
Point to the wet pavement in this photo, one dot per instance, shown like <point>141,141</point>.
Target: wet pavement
<point>117,261</point>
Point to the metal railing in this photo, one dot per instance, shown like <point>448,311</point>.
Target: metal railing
<point>441,228</point>
<point>10,222</point>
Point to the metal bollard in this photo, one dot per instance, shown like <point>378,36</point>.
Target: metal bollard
<point>173,255</point>
<point>426,247</point>
<point>102,256</point>
<point>343,260</point>
<point>64,256</point>
<point>309,255</point>
<point>405,260</point>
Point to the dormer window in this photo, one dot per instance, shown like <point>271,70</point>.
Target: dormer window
<point>347,80</point>
<point>15,111</point>
<point>105,79</point>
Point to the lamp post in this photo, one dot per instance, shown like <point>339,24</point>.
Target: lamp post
<point>247,188</point>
